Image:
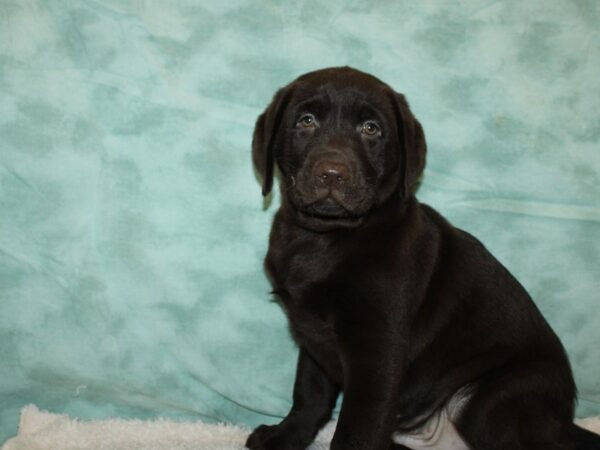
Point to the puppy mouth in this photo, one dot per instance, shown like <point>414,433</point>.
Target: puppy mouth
<point>325,208</point>
<point>331,203</point>
<point>329,212</point>
<point>324,220</point>
<point>324,201</point>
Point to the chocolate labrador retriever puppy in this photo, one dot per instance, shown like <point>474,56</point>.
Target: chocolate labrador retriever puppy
<point>432,341</point>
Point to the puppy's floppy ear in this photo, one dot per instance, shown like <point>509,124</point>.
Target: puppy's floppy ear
<point>264,139</point>
<point>412,138</point>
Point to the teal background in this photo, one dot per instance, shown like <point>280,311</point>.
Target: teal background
<point>132,228</point>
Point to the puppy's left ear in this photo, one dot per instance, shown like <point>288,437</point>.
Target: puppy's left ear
<point>410,133</point>
<point>266,136</point>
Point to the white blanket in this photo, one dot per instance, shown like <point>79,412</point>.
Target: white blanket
<point>40,430</point>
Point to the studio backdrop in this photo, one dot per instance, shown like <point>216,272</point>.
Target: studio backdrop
<point>132,227</point>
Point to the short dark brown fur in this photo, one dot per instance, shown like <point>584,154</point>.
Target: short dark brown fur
<point>389,302</point>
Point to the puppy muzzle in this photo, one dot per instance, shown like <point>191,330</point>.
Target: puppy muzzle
<point>331,189</point>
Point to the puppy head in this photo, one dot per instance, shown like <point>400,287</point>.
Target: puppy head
<point>344,143</point>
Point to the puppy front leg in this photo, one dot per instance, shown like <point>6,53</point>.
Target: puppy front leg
<point>314,398</point>
<point>371,388</point>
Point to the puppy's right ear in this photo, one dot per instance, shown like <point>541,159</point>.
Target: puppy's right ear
<point>266,136</point>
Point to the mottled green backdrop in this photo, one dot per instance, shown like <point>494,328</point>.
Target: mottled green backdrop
<point>132,230</point>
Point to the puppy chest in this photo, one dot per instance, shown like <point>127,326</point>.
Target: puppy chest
<point>310,316</point>
<point>314,330</point>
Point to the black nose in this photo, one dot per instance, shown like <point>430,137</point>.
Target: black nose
<point>331,174</point>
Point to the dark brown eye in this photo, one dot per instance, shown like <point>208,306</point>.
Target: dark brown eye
<point>306,121</point>
<point>370,128</point>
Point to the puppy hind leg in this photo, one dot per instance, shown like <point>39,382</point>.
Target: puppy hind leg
<point>499,417</point>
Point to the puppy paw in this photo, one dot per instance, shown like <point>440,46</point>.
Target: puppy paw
<point>275,437</point>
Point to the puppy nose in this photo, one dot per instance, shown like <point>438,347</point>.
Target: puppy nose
<point>331,173</point>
